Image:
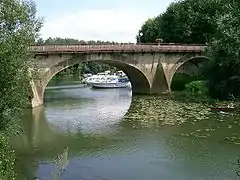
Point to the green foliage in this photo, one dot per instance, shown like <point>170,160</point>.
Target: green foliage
<point>7,160</point>
<point>184,96</point>
<point>223,69</point>
<point>93,67</point>
<point>59,40</point>
<point>152,111</point>
<point>150,32</point>
<point>197,87</point>
<point>61,163</point>
<point>180,80</point>
<point>19,27</point>
<point>187,21</point>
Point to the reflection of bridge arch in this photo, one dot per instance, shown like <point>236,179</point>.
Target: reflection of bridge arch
<point>39,135</point>
<point>39,142</point>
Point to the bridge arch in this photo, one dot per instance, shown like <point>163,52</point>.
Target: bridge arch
<point>140,82</point>
<point>195,60</point>
<point>150,68</point>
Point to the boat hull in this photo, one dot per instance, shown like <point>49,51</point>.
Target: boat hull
<point>109,85</point>
<point>224,109</point>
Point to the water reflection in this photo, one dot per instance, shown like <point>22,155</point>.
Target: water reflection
<point>155,139</point>
<point>41,143</point>
<point>87,114</point>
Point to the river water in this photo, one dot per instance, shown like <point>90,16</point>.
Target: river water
<point>111,135</point>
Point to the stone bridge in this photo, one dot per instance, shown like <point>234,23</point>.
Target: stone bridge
<point>150,67</point>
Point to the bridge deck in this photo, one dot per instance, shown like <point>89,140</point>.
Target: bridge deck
<point>52,49</point>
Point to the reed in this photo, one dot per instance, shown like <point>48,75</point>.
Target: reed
<point>61,163</point>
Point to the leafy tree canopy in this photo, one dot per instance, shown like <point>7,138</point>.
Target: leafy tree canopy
<point>186,21</point>
<point>18,29</point>
<point>223,70</point>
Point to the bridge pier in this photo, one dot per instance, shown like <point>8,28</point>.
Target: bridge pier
<point>37,92</point>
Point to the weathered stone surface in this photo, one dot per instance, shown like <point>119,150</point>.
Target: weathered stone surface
<point>150,72</point>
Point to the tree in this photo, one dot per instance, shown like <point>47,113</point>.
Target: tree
<point>19,29</point>
<point>149,30</point>
<point>186,21</point>
<point>223,69</point>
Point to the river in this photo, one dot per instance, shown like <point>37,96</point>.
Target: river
<point>111,135</point>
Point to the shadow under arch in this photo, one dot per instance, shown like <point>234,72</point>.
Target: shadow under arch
<point>195,60</point>
<point>139,81</point>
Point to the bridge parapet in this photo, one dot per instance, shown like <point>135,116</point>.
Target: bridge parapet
<point>77,48</point>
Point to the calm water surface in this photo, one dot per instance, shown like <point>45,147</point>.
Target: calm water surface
<point>112,136</point>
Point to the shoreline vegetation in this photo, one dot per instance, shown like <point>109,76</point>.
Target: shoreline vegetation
<point>215,23</point>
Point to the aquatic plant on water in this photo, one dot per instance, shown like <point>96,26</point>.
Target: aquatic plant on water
<point>61,163</point>
<point>155,111</point>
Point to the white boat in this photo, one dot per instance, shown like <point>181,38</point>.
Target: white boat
<point>100,77</point>
<point>94,78</point>
<point>105,80</point>
<point>112,82</point>
<point>120,74</point>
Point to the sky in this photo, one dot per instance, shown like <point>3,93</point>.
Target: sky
<point>107,20</point>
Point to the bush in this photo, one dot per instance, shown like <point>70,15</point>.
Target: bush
<point>198,87</point>
<point>180,80</point>
<point>7,160</point>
